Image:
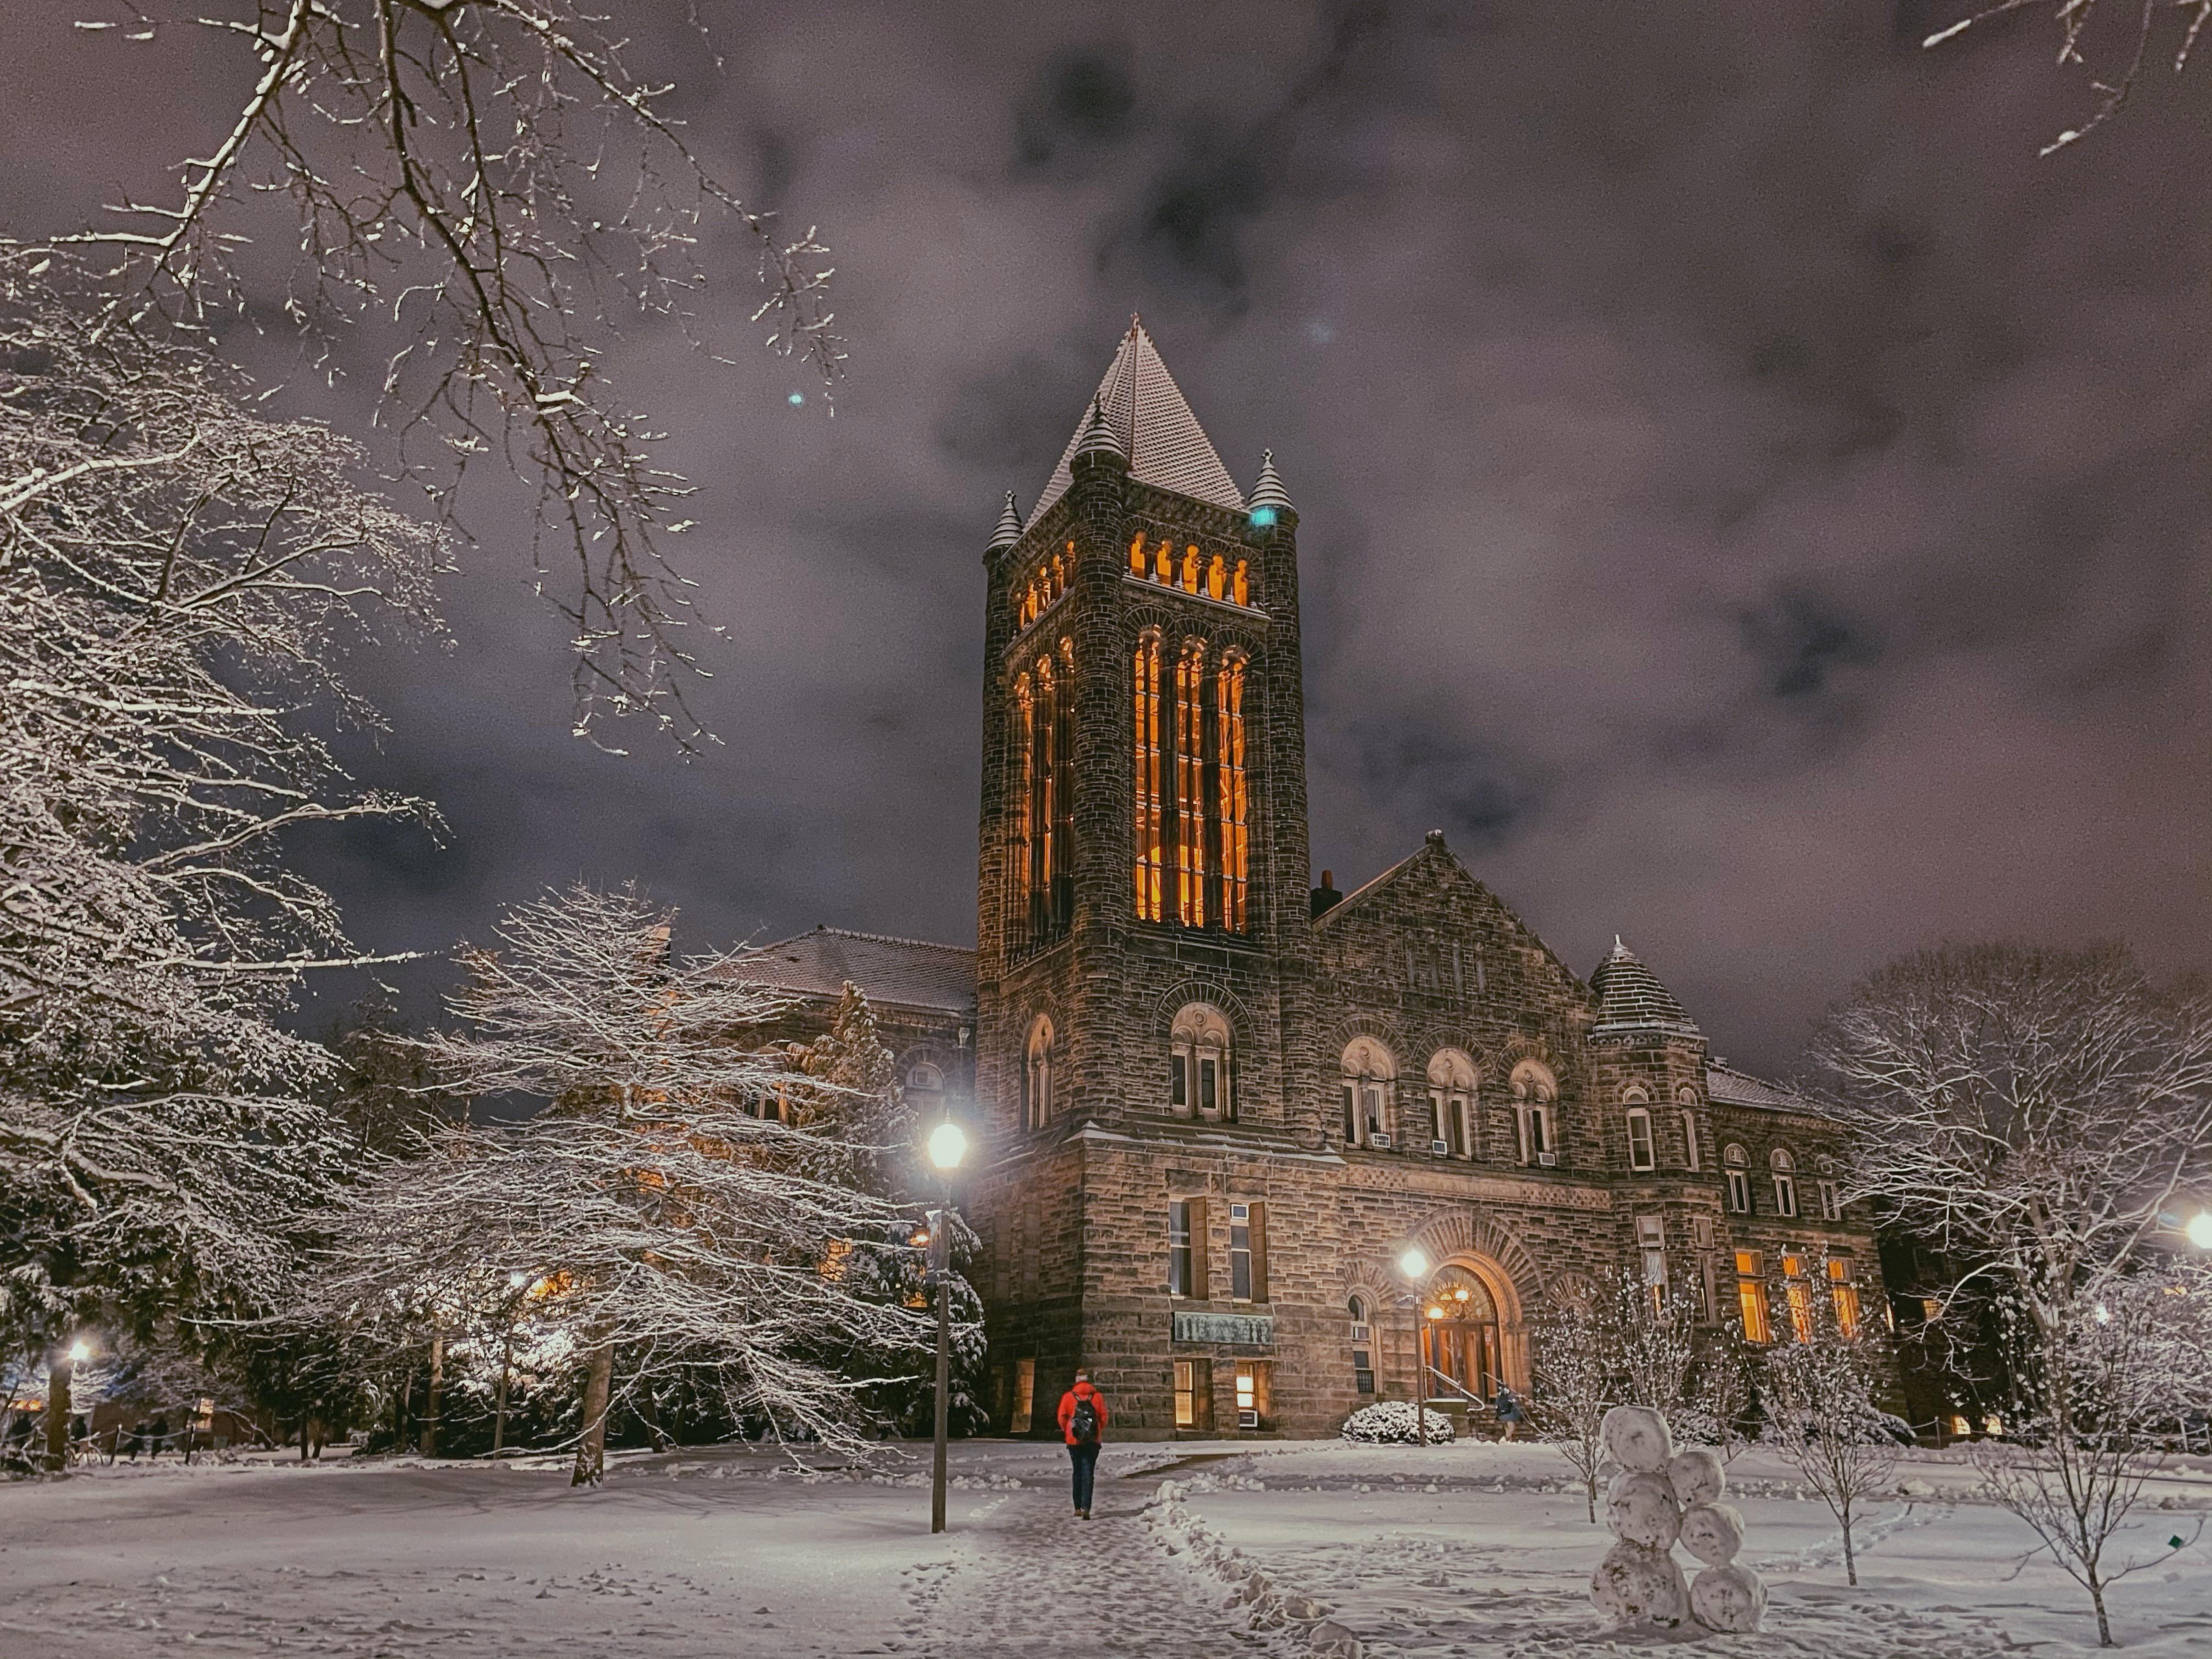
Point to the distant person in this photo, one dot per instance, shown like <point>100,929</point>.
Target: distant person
<point>136,1442</point>
<point>1083,1417</point>
<point>1510,1412</point>
<point>157,1439</point>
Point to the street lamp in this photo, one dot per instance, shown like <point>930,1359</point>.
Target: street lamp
<point>2199,1230</point>
<point>947,1148</point>
<point>1414,1264</point>
<point>80,1350</point>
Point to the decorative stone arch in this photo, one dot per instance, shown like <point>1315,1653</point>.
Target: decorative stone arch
<point>1472,1237</point>
<point>1183,993</point>
<point>1383,1029</point>
<point>1575,1290</point>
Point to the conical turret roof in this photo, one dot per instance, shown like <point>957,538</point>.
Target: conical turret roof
<point>1009,530</point>
<point>1162,440</point>
<point>1269,491</point>
<point>1631,1001</point>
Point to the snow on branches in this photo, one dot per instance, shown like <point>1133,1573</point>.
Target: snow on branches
<point>679,1205</point>
<point>179,580</point>
<point>486,190</point>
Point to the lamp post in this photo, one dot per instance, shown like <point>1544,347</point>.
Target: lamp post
<point>518,1283</point>
<point>1414,1264</point>
<point>60,1373</point>
<point>948,1148</point>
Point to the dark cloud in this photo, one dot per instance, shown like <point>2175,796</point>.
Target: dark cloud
<point>1749,502</point>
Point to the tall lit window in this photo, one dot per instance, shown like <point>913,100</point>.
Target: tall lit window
<point>1044,807</point>
<point>1369,1091</point>
<point>1641,1155</point>
<point>1199,1080</point>
<point>1451,1101</point>
<point>1785,1182</point>
<point>1798,1289</point>
<point>1037,1075</point>
<point>1737,1164</point>
<point>1248,1252</point>
<point>1150,814</point>
<point>1024,1395</point>
<point>1651,1250</point>
<point>1536,1098</point>
<point>1751,1298</point>
<point>1845,1293</point>
<point>1179,1262</point>
<point>1235,848</point>
<point>1186,1394</point>
<point>1191,803</point>
<point>1363,1349</point>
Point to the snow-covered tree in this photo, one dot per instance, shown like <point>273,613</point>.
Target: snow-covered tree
<point>485,190</point>
<point>180,580</point>
<point>2099,1402</point>
<point>1574,1354</point>
<point>2127,40</point>
<point>1823,1389</point>
<point>2036,1120</point>
<point>667,1192</point>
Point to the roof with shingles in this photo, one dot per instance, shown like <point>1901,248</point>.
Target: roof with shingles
<point>1730,1087</point>
<point>899,973</point>
<point>1630,998</point>
<point>1150,419</point>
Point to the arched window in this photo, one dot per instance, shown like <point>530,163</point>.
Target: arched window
<point>1191,802</point>
<point>1137,556</point>
<point>1642,1153</point>
<point>1785,1182</point>
<point>1685,1098</point>
<point>1217,578</point>
<point>1535,1105</point>
<point>1234,791</point>
<point>1190,569</point>
<point>1201,1081</point>
<point>1370,1094</point>
<point>1737,1164</point>
<point>1151,809</point>
<point>1044,814</point>
<point>1451,1102</point>
<point>1037,1074</point>
<point>1363,1345</point>
<point>1240,585</point>
<point>924,1089</point>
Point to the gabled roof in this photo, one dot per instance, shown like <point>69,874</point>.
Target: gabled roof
<point>1147,413</point>
<point>900,973</point>
<point>1631,1001</point>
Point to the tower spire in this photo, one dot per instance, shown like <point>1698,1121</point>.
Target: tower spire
<point>1152,425</point>
<point>1009,529</point>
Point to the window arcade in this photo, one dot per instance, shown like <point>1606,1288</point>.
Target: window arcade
<point>1201,1079</point>
<point>1043,589</point>
<point>1209,576</point>
<point>1044,796</point>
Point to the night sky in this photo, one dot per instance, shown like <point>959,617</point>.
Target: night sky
<point>1750,502</point>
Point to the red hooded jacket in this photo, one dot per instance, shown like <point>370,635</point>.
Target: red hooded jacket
<point>1067,1410</point>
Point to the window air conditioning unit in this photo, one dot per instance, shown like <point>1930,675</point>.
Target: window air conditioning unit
<point>1379,1139</point>
<point>1549,1160</point>
<point>1439,1148</point>
<point>1248,1419</point>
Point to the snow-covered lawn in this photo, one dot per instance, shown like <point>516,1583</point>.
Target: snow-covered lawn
<point>1475,1548</point>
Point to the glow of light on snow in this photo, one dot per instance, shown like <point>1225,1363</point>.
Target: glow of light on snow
<point>1413,1263</point>
<point>2199,1230</point>
<point>2104,1314</point>
<point>948,1145</point>
<point>516,1281</point>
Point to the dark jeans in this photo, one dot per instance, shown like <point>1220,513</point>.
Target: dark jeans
<point>1085,1460</point>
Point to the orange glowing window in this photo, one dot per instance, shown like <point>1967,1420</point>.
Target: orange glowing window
<point>1190,570</point>
<point>1190,783</point>
<point>1217,578</point>
<point>1137,557</point>
<point>1235,850</point>
<point>1846,1295</point>
<point>1751,1298</point>
<point>1800,1292</point>
<point>1024,738</point>
<point>1150,825</point>
<point>1163,562</point>
<point>1240,587</point>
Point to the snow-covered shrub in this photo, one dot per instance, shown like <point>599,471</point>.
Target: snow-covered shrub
<point>1391,1422</point>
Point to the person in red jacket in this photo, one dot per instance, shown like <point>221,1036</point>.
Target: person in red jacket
<point>1083,1426</point>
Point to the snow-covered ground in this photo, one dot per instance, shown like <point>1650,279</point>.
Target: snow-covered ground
<point>1476,1549</point>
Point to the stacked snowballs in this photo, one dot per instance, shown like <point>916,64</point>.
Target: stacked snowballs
<point>1661,1498</point>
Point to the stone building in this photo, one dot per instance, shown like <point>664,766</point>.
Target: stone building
<point>1220,1102</point>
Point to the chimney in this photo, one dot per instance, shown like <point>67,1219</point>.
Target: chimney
<point>1325,896</point>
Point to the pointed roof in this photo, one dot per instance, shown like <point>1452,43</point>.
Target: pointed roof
<point>897,973</point>
<point>1269,491</point>
<point>1097,438</point>
<point>1631,1001</point>
<point>1009,529</point>
<point>1144,411</point>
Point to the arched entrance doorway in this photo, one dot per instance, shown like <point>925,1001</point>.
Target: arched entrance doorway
<point>1460,1336</point>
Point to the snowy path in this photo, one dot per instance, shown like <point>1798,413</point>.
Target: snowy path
<point>1029,1579</point>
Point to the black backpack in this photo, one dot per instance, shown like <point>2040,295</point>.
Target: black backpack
<point>1084,1423</point>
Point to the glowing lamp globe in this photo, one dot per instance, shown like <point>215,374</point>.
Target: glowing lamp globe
<point>948,1145</point>
<point>1413,1264</point>
<point>79,1354</point>
<point>2199,1230</point>
<point>1436,1312</point>
<point>1262,516</point>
